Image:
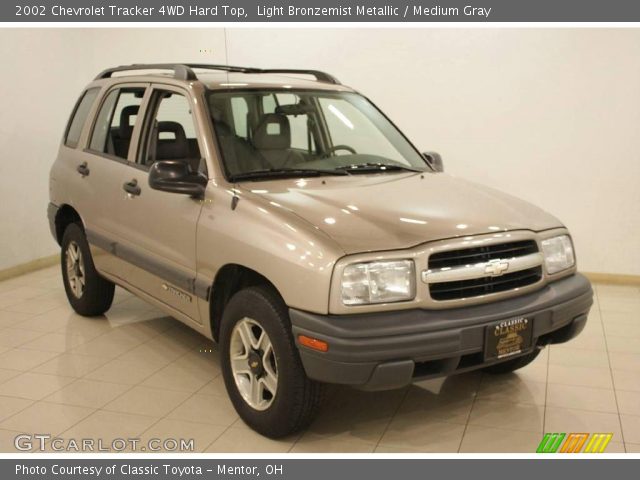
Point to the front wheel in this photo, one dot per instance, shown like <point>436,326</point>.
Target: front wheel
<point>262,370</point>
<point>88,293</point>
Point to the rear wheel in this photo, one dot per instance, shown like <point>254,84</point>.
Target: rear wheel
<point>88,293</point>
<point>512,365</point>
<point>262,370</point>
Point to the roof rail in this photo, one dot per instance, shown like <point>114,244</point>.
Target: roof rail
<point>320,76</point>
<point>183,71</point>
<point>180,71</point>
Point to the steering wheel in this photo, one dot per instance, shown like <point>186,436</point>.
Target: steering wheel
<point>343,147</point>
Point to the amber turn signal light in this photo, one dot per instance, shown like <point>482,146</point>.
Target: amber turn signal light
<point>313,343</point>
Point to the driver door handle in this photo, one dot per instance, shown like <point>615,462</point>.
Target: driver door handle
<point>132,188</point>
<point>83,169</point>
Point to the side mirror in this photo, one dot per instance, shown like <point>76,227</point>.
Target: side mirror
<point>435,160</point>
<point>175,176</point>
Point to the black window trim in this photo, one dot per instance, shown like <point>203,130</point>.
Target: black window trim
<point>72,117</point>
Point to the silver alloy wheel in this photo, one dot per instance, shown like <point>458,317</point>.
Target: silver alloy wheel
<point>75,269</point>
<point>253,364</point>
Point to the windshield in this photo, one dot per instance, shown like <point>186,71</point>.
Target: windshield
<point>263,134</point>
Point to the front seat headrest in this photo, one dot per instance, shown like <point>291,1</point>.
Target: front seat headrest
<point>126,128</point>
<point>175,148</point>
<point>272,133</point>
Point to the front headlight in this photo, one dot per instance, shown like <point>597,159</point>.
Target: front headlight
<point>558,253</point>
<point>378,282</point>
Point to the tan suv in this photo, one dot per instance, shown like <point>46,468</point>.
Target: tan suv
<point>289,220</point>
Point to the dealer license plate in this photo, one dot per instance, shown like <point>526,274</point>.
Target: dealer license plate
<point>507,337</point>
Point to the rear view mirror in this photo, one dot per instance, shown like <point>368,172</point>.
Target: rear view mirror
<point>294,109</point>
<point>435,160</point>
<point>175,176</point>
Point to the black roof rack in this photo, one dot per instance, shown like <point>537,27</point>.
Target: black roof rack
<point>184,71</point>
<point>179,71</point>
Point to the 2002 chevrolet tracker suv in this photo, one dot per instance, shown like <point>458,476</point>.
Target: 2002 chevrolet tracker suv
<point>289,220</point>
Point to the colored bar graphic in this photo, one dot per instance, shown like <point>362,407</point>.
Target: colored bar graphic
<point>574,442</point>
<point>598,442</point>
<point>550,443</point>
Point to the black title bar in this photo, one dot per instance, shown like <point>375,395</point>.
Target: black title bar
<point>313,469</point>
<point>319,11</point>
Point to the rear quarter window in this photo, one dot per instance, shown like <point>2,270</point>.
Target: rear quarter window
<point>79,117</point>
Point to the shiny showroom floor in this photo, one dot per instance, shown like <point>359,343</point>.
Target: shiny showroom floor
<point>140,374</point>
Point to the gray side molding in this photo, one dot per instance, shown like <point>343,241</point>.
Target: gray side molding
<point>181,278</point>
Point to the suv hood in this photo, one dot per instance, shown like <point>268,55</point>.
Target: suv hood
<point>399,210</point>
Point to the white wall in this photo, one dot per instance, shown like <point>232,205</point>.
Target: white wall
<point>42,74</point>
<point>550,115</point>
<point>43,71</point>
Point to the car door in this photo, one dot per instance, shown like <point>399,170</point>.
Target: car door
<point>161,226</point>
<point>104,162</point>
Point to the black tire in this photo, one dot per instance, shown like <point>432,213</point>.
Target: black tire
<point>297,398</point>
<point>512,365</point>
<point>96,296</point>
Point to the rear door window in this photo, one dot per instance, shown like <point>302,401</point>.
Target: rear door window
<point>114,125</point>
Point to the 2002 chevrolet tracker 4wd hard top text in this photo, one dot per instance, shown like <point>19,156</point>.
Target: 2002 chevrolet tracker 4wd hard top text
<point>289,220</point>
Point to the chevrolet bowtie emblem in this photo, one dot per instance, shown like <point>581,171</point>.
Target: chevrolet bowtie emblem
<point>496,267</point>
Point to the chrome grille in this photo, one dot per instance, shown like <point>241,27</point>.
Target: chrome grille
<point>456,258</point>
<point>485,285</point>
<point>484,270</point>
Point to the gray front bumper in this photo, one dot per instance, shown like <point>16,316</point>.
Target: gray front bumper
<point>387,350</point>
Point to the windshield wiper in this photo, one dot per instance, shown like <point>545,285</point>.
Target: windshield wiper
<point>376,167</point>
<point>285,173</point>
